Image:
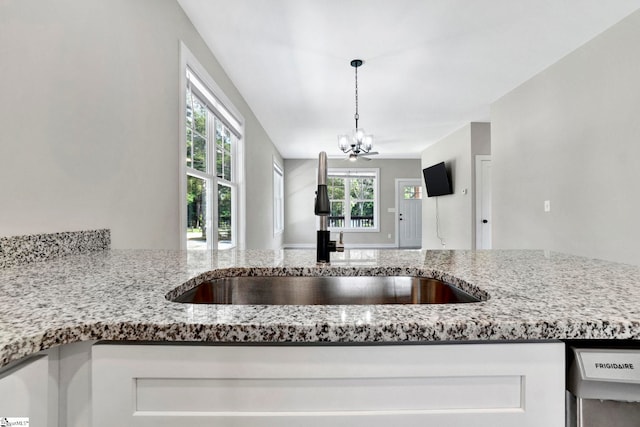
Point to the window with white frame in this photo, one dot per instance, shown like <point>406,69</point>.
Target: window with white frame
<point>353,195</point>
<point>212,134</point>
<point>278,199</point>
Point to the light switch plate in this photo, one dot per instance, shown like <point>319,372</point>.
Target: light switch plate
<point>547,205</point>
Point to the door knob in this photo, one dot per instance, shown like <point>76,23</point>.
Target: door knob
<point>484,221</point>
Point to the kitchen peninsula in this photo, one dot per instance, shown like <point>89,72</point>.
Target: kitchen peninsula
<point>124,295</point>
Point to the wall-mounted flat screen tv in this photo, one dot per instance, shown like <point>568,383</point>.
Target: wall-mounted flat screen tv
<point>436,178</point>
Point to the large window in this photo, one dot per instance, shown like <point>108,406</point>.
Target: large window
<point>212,134</point>
<point>353,195</point>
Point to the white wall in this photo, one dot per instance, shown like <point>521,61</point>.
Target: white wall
<point>259,177</point>
<point>571,135</point>
<point>89,121</point>
<point>299,193</point>
<point>457,210</point>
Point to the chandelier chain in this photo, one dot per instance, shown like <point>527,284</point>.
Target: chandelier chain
<point>357,116</point>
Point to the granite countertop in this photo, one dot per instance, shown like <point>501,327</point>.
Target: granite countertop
<point>121,295</point>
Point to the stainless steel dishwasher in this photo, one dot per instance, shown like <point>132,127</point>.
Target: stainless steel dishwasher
<point>603,387</point>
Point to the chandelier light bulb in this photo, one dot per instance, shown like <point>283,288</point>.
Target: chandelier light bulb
<point>368,142</point>
<point>343,142</point>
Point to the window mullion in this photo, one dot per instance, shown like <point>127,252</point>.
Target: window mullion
<point>197,173</point>
<point>233,155</point>
<point>347,203</point>
<point>212,229</point>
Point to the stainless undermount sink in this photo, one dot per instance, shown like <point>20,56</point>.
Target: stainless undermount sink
<point>336,290</point>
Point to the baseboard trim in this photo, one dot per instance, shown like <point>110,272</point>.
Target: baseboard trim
<point>298,246</point>
<point>346,245</point>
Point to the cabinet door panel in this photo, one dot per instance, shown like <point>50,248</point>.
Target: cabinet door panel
<point>24,391</point>
<point>274,395</point>
<point>458,385</point>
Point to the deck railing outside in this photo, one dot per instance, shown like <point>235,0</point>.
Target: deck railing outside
<point>356,222</point>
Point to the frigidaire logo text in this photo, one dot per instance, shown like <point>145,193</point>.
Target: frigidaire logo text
<point>614,366</point>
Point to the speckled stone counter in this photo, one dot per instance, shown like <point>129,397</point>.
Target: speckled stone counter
<point>18,250</point>
<point>122,295</point>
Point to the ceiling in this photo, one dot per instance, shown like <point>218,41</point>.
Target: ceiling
<point>430,66</point>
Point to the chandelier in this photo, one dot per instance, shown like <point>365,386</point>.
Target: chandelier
<point>358,142</point>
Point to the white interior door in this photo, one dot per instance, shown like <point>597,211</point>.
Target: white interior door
<point>409,194</point>
<point>483,202</point>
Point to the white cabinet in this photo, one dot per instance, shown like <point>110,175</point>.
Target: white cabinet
<point>410,385</point>
<point>27,390</point>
